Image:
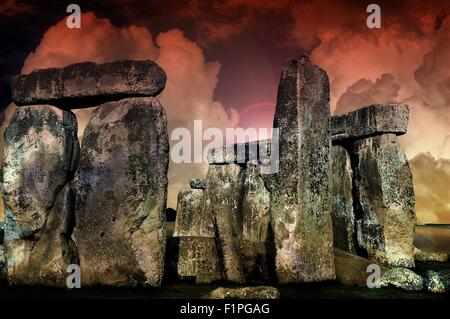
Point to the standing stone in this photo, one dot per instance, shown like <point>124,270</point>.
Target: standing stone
<point>342,214</point>
<point>301,193</point>
<point>223,199</point>
<point>256,220</point>
<point>121,185</point>
<point>198,258</point>
<point>40,155</point>
<point>192,220</point>
<point>197,251</point>
<point>197,183</point>
<point>2,251</point>
<point>385,193</point>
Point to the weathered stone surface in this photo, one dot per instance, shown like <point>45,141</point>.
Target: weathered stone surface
<point>437,282</point>
<point>421,255</point>
<point>2,263</point>
<point>197,183</point>
<point>402,278</point>
<point>342,213</point>
<point>223,199</point>
<point>260,292</point>
<point>88,79</point>
<point>2,253</point>
<point>255,206</point>
<point>121,185</point>
<point>40,154</point>
<point>257,258</point>
<point>198,258</point>
<point>256,235</point>
<point>352,269</point>
<point>300,191</point>
<point>386,200</point>
<point>192,220</point>
<point>372,120</point>
<point>241,152</point>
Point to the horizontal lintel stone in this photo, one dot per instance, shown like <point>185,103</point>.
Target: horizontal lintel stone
<point>76,85</point>
<point>372,120</point>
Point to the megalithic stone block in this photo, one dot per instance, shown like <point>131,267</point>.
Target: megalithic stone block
<point>75,85</point>
<point>255,206</point>
<point>197,183</point>
<point>198,258</point>
<point>383,183</point>
<point>40,154</point>
<point>343,216</point>
<point>256,224</point>
<point>197,255</point>
<point>192,220</point>
<point>300,191</point>
<point>121,185</point>
<point>371,120</point>
<point>223,199</point>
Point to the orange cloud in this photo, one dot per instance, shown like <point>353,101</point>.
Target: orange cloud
<point>431,179</point>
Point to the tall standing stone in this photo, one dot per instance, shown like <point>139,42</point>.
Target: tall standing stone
<point>386,198</point>
<point>301,193</point>
<point>121,185</point>
<point>342,213</point>
<point>256,235</point>
<point>40,155</point>
<point>197,255</point>
<point>223,199</point>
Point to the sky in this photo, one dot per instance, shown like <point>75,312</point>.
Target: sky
<point>223,61</point>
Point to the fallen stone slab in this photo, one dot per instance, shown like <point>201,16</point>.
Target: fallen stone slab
<point>197,183</point>
<point>437,281</point>
<point>223,200</point>
<point>372,120</point>
<point>352,269</point>
<point>384,188</point>
<point>258,292</point>
<point>301,196</point>
<point>73,86</point>
<point>402,278</point>
<point>40,155</point>
<point>192,219</point>
<point>421,255</point>
<point>198,258</point>
<point>342,213</point>
<point>121,186</point>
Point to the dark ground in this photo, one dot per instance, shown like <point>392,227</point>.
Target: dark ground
<point>430,238</point>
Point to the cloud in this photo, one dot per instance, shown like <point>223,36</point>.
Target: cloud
<point>406,61</point>
<point>191,79</point>
<point>366,92</point>
<point>220,20</point>
<point>431,179</point>
<point>11,8</point>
